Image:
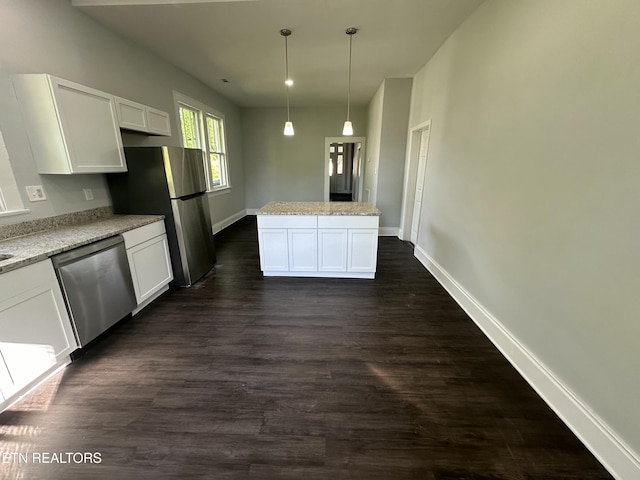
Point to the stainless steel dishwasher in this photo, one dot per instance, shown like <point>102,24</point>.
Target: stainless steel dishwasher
<point>97,286</point>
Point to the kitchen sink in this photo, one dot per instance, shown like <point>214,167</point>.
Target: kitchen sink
<point>5,256</point>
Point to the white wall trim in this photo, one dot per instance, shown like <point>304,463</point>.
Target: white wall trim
<point>410,174</point>
<point>252,211</point>
<point>388,232</point>
<point>228,221</point>
<point>613,453</point>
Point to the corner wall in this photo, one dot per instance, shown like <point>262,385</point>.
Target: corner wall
<point>387,143</point>
<point>531,197</point>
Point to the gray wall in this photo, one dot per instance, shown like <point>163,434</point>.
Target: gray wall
<point>531,193</point>
<point>290,168</point>
<point>387,137</point>
<point>52,37</point>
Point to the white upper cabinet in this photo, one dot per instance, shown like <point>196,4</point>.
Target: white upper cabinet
<point>131,115</point>
<point>71,128</point>
<point>158,122</point>
<point>136,116</point>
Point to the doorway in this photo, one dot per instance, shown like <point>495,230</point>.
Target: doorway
<point>343,169</point>
<point>415,173</point>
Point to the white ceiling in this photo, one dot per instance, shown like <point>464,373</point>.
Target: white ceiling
<point>240,40</point>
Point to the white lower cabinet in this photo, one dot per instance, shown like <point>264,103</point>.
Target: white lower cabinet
<point>149,262</point>
<point>36,335</point>
<point>362,249</point>
<point>303,249</point>
<point>322,246</point>
<point>274,249</point>
<point>332,249</point>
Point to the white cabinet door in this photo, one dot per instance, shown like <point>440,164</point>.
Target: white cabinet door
<point>158,121</point>
<point>141,118</point>
<point>362,250</point>
<point>131,115</point>
<point>274,249</point>
<point>303,249</point>
<point>71,128</point>
<point>35,330</point>
<point>332,249</point>
<point>150,266</point>
<point>149,262</point>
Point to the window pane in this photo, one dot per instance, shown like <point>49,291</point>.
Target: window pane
<point>216,171</point>
<point>339,165</point>
<point>215,134</point>
<point>189,126</point>
<point>212,132</point>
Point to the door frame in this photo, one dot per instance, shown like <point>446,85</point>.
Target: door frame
<point>410,177</point>
<point>327,142</point>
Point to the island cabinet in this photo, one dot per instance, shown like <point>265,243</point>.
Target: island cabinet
<point>36,335</point>
<point>149,262</point>
<point>318,245</point>
<point>71,128</point>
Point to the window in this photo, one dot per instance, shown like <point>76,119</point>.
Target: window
<point>202,127</point>
<point>217,152</point>
<point>189,127</point>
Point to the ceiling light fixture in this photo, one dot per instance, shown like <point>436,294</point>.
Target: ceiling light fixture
<point>288,126</point>
<point>347,130</point>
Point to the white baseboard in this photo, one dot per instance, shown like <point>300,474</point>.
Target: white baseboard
<point>388,232</point>
<point>251,211</point>
<point>617,458</point>
<point>228,221</point>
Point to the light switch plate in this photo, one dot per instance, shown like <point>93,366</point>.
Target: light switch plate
<point>35,193</point>
<point>88,194</point>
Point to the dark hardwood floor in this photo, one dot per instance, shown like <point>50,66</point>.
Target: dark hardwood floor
<point>285,378</point>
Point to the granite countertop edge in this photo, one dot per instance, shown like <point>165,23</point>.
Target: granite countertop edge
<point>319,208</point>
<point>35,247</point>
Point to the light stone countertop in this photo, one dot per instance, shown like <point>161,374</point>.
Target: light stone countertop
<point>34,247</point>
<point>319,208</point>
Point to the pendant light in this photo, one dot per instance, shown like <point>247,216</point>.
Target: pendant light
<point>347,130</point>
<point>288,126</point>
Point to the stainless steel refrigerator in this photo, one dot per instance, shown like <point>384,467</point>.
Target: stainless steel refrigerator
<point>170,181</point>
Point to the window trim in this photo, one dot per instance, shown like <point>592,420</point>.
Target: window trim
<point>204,111</point>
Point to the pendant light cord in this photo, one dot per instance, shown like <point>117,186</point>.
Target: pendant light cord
<point>349,89</point>
<point>286,71</point>
<point>351,31</point>
<point>285,33</point>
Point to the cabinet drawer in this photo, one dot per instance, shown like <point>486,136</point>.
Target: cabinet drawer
<point>142,234</point>
<point>287,221</point>
<point>348,221</point>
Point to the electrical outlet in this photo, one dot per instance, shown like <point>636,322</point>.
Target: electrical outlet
<point>35,193</point>
<point>88,194</point>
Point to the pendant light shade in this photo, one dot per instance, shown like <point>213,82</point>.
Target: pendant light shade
<point>288,129</point>
<point>347,130</point>
<point>288,126</point>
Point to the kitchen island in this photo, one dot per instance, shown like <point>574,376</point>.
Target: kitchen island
<point>318,239</point>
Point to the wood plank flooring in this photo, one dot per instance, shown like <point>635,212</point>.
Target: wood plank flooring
<point>245,377</point>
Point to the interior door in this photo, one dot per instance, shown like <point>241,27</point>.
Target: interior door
<point>422,167</point>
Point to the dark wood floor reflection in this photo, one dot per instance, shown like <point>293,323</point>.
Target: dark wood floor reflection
<point>284,378</point>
